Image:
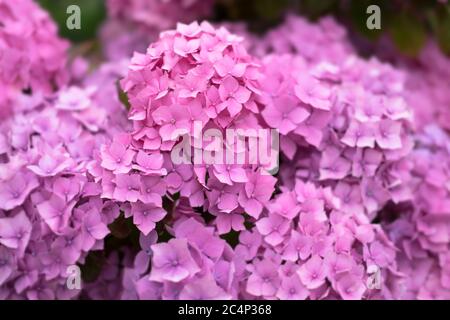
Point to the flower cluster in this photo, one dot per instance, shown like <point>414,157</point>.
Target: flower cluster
<point>51,214</point>
<point>352,125</point>
<point>421,229</point>
<point>32,56</point>
<point>307,247</point>
<point>302,247</point>
<point>193,265</point>
<point>426,89</point>
<point>193,77</point>
<point>324,40</point>
<point>151,174</point>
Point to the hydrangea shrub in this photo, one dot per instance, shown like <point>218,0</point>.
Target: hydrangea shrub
<point>358,208</point>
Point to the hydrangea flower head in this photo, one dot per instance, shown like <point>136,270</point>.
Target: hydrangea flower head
<point>32,55</point>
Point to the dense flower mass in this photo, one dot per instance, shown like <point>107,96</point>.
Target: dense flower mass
<point>341,127</point>
<point>193,78</point>
<point>325,40</point>
<point>152,174</point>
<point>32,56</point>
<point>421,230</point>
<point>51,214</point>
<point>426,87</point>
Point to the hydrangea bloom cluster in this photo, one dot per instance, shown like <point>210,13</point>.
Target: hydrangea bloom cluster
<point>421,229</point>
<point>51,214</point>
<point>303,247</point>
<point>130,164</point>
<point>193,76</point>
<point>350,127</point>
<point>426,87</point>
<point>193,265</point>
<point>324,40</point>
<point>307,247</point>
<point>32,56</point>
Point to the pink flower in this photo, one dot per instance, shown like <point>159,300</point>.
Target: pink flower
<point>117,158</point>
<point>388,134</point>
<point>149,163</point>
<point>249,243</point>
<point>312,128</point>
<point>145,216</point>
<point>258,191</point>
<point>351,287</point>
<point>285,205</point>
<point>93,229</point>
<point>333,165</point>
<point>229,221</point>
<point>204,288</point>
<point>128,187</point>
<point>285,114</point>
<point>233,95</point>
<point>172,261</point>
<point>311,91</point>
<point>7,266</point>
<point>74,99</point>
<point>56,213</point>
<point>152,190</point>
<point>15,232</point>
<point>291,288</point>
<point>50,164</point>
<point>359,135</point>
<point>313,272</point>
<point>273,228</point>
<point>298,247</point>
<point>264,280</point>
<point>230,174</point>
<point>15,190</point>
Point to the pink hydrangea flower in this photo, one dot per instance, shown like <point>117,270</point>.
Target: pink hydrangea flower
<point>33,56</point>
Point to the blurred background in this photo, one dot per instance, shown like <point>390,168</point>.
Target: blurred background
<point>408,23</point>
